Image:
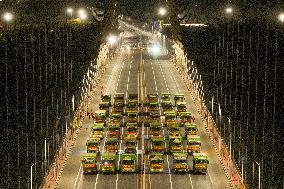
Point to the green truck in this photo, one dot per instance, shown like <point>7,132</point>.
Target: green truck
<point>190,129</point>
<point>174,131</point>
<point>92,145</point>
<point>106,99</point>
<point>153,109</point>
<point>111,145</point>
<point>156,163</point>
<point>185,117</point>
<point>108,163</point>
<point>104,106</point>
<point>158,145</point>
<point>89,163</point>
<point>180,164</point>
<point>97,130</point>
<point>178,98</point>
<point>130,145</point>
<point>114,131</point>
<point>181,107</point>
<point>132,98</point>
<point>200,162</point>
<point>128,163</point>
<point>156,130</point>
<point>176,145</point>
<point>193,144</point>
<point>170,117</point>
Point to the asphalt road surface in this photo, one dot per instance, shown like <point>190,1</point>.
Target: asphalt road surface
<point>158,76</point>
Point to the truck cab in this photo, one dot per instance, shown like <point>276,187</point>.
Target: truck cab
<point>153,98</point>
<point>128,163</point>
<point>114,131</point>
<point>108,163</point>
<point>200,162</point>
<point>181,107</point>
<point>111,145</point>
<point>131,130</point>
<point>97,131</point>
<point>89,163</point>
<point>130,145</point>
<point>180,164</point>
<point>93,145</point>
<point>116,119</point>
<point>170,117</point>
<point>186,117</point>
<point>156,130</point>
<point>176,145</point>
<point>106,99</point>
<point>179,98</point>
<point>119,99</point>
<point>100,116</point>
<point>193,144</point>
<point>190,129</point>
<point>104,106</point>
<point>165,97</point>
<point>156,163</point>
<point>153,109</point>
<point>132,98</point>
<point>174,131</point>
<point>158,145</point>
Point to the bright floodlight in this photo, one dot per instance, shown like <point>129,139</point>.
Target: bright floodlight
<point>69,10</point>
<point>162,11</point>
<point>154,49</point>
<point>281,17</point>
<point>82,14</point>
<point>112,39</point>
<point>229,10</point>
<point>7,17</point>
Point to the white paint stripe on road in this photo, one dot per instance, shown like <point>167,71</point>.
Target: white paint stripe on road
<point>190,181</point>
<point>76,180</point>
<point>97,178</point>
<point>169,172</point>
<point>208,173</point>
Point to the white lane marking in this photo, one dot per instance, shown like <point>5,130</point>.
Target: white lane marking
<point>169,172</point>
<point>210,179</point>
<point>190,181</point>
<point>97,178</point>
<point>76,180</point>
<point>120,146</point>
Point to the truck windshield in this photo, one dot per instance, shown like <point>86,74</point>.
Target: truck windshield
<point>180,161</point>
<point>158,143</point>
<point>127,162</point>
<point>194,143</point>
<point>156,161</point>
<point>203,161</point>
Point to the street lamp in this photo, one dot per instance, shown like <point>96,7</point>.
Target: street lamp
<point>7,17</point>
<point>70,11</point>
<point>112,39</point>
<point>162,11</point>
<point>82,14</point>
<point>229,10</point>
<point>281,17</point>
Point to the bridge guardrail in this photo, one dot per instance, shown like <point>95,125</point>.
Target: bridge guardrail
<point>179,59</point>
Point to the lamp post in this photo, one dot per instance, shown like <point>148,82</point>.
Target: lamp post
<point>259,183</point>
<point>82,14</point>
<point>281,17</point>
<point>162,11</point>
<point>229,10</point>
<point>32,176</point>
<point>8,18</point>
<point>230,142</point>
<point>70,11</point>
